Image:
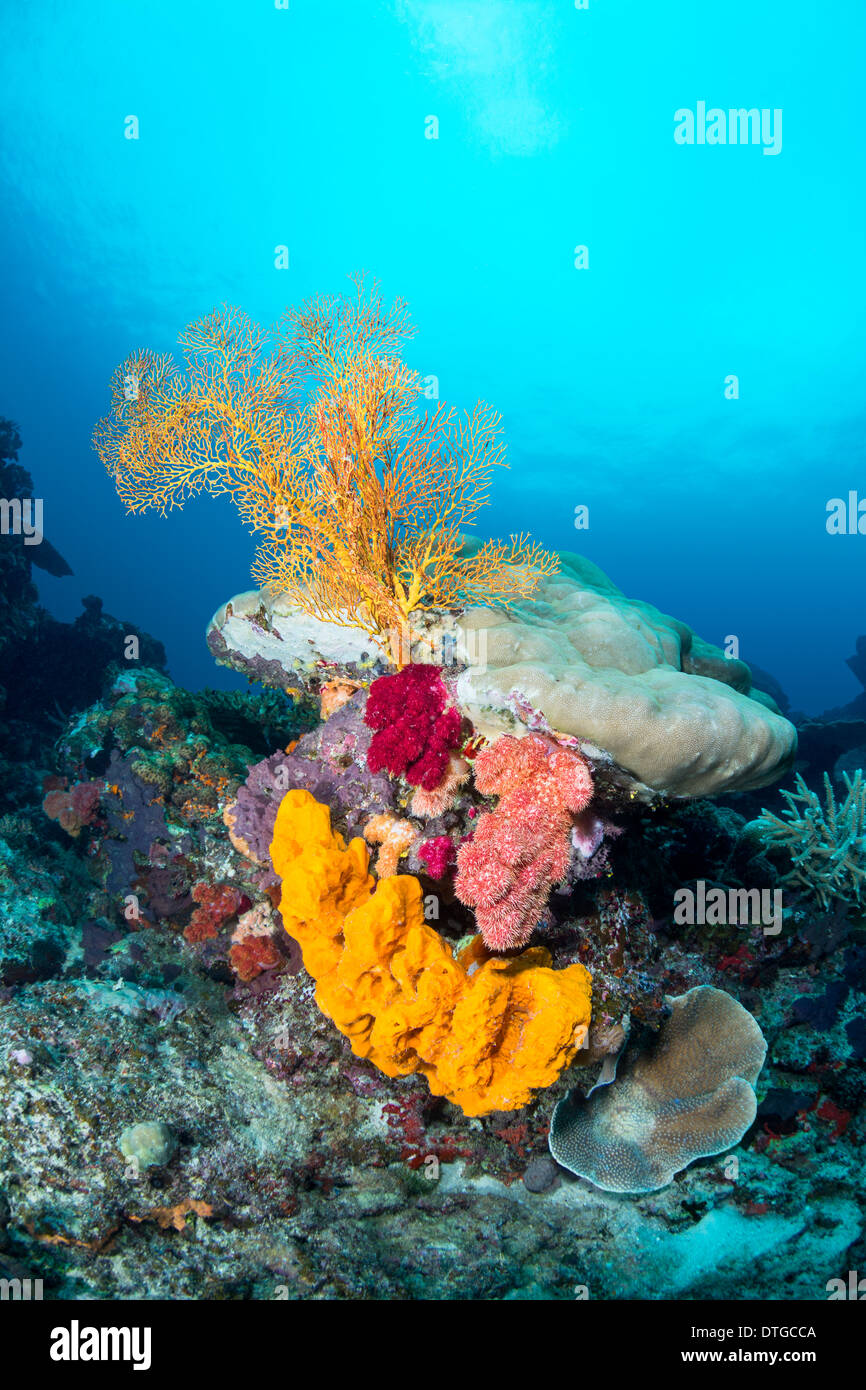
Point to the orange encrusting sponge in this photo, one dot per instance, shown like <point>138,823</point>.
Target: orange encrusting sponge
<point>486,1031</point>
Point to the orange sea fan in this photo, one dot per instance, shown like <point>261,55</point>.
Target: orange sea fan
<point>358,495</point>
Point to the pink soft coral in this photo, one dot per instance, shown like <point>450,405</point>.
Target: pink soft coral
<point>217,904</point>
<point>520,850</point>
<point>415,733</point>
<point>438,854</point>
<point>426,804</point>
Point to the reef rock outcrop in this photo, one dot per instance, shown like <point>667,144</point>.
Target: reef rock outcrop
<point>581,659</point>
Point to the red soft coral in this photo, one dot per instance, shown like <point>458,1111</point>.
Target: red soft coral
<point>217,904</point>
<point>254,955</point>
<point>415,733</point>
<point>520,850</point>
<point>74,807</point>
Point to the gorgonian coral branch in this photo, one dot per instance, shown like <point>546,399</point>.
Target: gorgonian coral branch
<point>316,431</point>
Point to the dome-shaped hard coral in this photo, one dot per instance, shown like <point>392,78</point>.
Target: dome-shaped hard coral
<point>668,707</point>
<point>688,1096</point>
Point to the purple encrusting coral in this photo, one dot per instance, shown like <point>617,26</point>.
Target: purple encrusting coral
<point>330,762</point>
<point>137,824</point>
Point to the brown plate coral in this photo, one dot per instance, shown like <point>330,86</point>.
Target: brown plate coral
<point>690,1095</point>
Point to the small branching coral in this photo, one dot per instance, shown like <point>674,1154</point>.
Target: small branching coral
<point>826,843</point>
<point>315,429</point>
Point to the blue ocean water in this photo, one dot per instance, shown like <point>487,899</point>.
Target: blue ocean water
<point>306,125</point>
<point>240,1061</point>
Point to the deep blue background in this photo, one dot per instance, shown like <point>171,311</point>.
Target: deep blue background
<point>261,126</point>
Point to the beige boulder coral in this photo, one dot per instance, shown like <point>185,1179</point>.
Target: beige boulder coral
<point>667,706</point>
